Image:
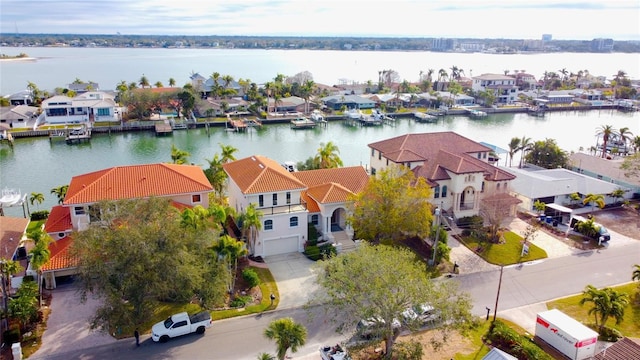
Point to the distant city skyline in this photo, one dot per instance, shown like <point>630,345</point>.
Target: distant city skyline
<point>564,20</point>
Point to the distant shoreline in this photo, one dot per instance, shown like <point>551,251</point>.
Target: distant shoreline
<point>18,59</point>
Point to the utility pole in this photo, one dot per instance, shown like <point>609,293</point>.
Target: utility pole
<point>438,214</point>
<point>495,309</point>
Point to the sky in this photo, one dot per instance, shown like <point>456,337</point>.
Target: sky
<point>515,19</point>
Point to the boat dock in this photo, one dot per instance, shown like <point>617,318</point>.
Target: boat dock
<point>78,135</point>
<point>163,128</point>
<point>5,136</point>
<point>424,118</point>
<point>302,123</point>
<point>236,125</point>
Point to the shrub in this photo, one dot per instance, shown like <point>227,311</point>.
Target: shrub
<point>12,335</point>
<point>312,235</point>
<point>251,277</point>
<point>312,252</point>
<point>327,251</point>
<point>470,222</point>
<point>507,339</point>
<point>240,301</point>
<point>39,215</point>
<point>466,232</point>
<point>609,334</point>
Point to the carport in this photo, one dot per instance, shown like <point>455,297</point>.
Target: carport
<point>556,213</point>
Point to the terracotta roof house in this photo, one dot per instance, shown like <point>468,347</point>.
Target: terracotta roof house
<point>457,168</point>
<point>623,349</point>
<point>183,185</point>
<point>290,201</point>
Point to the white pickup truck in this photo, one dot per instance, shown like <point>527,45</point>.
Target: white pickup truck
<point>181,324</point>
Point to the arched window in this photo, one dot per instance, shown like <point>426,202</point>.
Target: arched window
<point>268,224</point>
<point>293,221</point>
<point>436,192</point>
<point>498,187</point>
<point>444,191</point>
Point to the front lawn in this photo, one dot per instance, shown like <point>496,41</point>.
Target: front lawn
<point>507,252</point>
<point>629,327</point>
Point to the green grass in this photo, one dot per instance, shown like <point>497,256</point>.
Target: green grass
<point>35,225</point>
<point>507,253</point>
<point>475,337</point>
<point>267,287</point>
<point>629,327</point>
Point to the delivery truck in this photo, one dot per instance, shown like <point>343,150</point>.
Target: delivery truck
<point>566,334</point>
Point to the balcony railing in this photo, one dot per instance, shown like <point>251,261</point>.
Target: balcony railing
<point>285,209</point>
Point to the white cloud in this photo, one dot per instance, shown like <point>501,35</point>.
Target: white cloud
<point>619,19</point>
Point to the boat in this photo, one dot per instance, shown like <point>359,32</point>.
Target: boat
<point>370,120</point>
<point>354,114</point>
<point>333,353</point>
<point>424,118</point>
<point>290,166</point>
<point>10,197</point>
<point>316,115</point>
<point>476,113</point>
<point>302,123</point>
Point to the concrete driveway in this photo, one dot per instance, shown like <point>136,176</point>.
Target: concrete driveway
<point>296,282</point>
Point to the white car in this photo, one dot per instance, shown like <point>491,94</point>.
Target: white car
<point>425,313</point>
<point>368,328</point>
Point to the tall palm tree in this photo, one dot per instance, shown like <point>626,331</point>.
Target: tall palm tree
<point>606,132</point>
<point>525,145</point>
<point>594,199</point>
<point>514,147</point>
<point>251,223</point>
<point>607,303</point>
<point>143,82</point>
<point>60,192</point>
<point>328,156</point>
<point>227,152</point>
<point>306,91</point>
<point>626,136</point>
<point>40,254</point>
<point>172,82</point>
<point>287,335</point>
<point>216,175</point>
<point>36,198</point>
<point>229,250</point>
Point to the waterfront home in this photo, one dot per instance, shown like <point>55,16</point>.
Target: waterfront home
<point>525,81</point>
<point>456,168</point>
<point>206,86</point>
<point>336,102</point>
<point>458,99</point>
<point>233,105</point>
<point>289,202</point>
<point>604,169</point>
<point>21,116</point>
<point>556,185</point>
<point>503,86</point>
<point>89,107</point>
<point>12,243</point>
<point>290,104</point>
<point>24,97</point>
<point>184,185</point>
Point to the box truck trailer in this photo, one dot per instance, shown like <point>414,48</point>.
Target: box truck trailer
<point>566,334</point>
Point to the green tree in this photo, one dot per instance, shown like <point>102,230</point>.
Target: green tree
<point>635,276</point>
<point>251,222</point>
<point>36,198</point>
<point>229,250</point>
<point>60,192</point>
<point>606,303</point>
<point>151,258</point>
<point>328,156</point>
<point>525,145</point>
<point>514,147</point>
<point>573,197</point>
<point>144,82</point>
<point>40,253</point>
<point>24,305</point>
<point>172,82</point>
<point>379,212</point>
<point>606,132</point>
<point>352,290</point>
<point>594,199</point>
<point>287,334</point>
<point>539,206</point>
<point>266,356</point>
<point>178,156</point>
<point>226,153</point>
<point>547,154</point>
<point>186,103</point>
<point>617,194</point>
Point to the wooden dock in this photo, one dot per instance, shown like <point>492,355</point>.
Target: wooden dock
<point>163,128</point>
<point>78,135</point>
<point>237,125</point>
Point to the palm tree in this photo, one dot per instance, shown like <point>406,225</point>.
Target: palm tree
<point>144,82</point>
<point>158,84</point>
<point>215,87</point>
<point>179,156</point>
<point>514,147</point>
<point>251,223</point>
<point>594,199</point>
<point>626,136</point>
<point>265,356</point>
<point>306,91</point>
<point>327,156</point>
<point>287,335</point>
<point>36,198</point>
<point>606,303</point>
<point>60,192</point>
<point>636,273</point>
<point>227,152</point>
<point>229,250</point>
<point>172,82</point>
<point>606,131</point>
<point>525,145</point>
<point>40,253</point>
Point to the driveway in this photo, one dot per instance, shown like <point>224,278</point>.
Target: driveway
<point>296,282</point>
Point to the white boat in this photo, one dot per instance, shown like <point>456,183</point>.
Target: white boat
<point>333,353</point>
<point>354,114</point>
<point>290,166</point>
<point>10,197</point>
<point>316,115</point>
<point>302,123</point>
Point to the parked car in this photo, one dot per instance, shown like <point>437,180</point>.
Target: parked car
<point>180,324</point>
<point>425,313</point>
<point>334,353</point>
<point>600,232</point>
<point>370,328</point>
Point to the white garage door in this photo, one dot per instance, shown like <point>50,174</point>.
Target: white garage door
<point>280,246</point>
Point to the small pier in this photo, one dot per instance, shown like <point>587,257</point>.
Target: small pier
<point>424,118</point>
<point>78,135</point>
<point>476,113</point>
<point>163,128</point>
<point>302,123</point>
<point>6,137</point>
<point>237,125</point>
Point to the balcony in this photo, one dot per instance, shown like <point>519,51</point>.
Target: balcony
<point>285,209</point>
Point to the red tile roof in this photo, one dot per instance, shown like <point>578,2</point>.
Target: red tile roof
<point>259,174</point>
<point>312,205</point>
<point>136,181</point>
<point>623,349</point>
<point>353,178</point>
<point>440,151</point>
<point>60,257</point>
<point>329,193</point>
<point>59,220</point>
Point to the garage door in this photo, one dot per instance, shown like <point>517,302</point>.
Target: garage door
<point>280,246</point>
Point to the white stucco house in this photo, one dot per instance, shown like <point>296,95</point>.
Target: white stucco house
<point>503,86</point>
<point>89,107</point>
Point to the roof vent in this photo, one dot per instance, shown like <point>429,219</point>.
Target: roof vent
<point>261,167</point>
<point>253,158</point>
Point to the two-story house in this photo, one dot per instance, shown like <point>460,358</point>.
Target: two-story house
<point>457,168</point>
<point>183,185</point>
<point>289,202</point>
<point>503,86</point>
<point>89,107</point>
